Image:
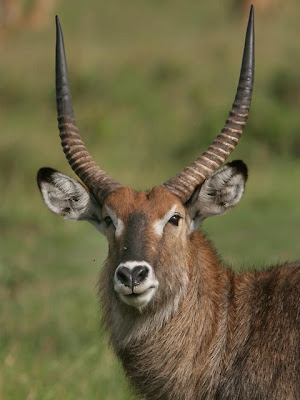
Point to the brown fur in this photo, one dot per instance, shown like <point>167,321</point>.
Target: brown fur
<point>227,336</point>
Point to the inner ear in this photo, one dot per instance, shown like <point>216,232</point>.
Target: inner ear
<point>65,196</point>
<point>219,192</point>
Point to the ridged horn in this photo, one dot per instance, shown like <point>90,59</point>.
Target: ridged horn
<point>75,150</point>
<point>183,184</point>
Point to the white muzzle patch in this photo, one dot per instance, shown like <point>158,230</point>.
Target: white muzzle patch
<point>135,283</point>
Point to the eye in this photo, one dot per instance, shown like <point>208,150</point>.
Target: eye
<point>175,220</point>
<point>108,221</point>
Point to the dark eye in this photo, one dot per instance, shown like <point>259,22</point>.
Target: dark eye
<point>175,220</point>
<point>108,221</point>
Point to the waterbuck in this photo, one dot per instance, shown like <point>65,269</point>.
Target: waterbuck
<point>183,325</point>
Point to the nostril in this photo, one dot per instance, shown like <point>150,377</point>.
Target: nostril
<point>131,277</point>
<point>124,276</point>
<point>139,274</point>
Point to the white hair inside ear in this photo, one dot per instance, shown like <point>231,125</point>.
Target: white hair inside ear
<point>220,192</point>
<point>65,196</point>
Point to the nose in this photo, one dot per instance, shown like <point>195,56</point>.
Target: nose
<point>132,277</point>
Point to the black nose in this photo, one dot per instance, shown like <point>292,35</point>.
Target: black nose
<point>139,274</point>
<point>132,277</point>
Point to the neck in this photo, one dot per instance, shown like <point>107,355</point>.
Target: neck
<point>191,324</point>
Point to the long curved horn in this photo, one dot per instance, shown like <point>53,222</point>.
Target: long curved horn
<point>76,153</point>
<point>183,184</point>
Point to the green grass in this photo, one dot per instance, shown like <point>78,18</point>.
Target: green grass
<point>152,82</point>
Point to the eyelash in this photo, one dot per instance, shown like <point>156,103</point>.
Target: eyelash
<point>174,220</point>
<point>108,221</point>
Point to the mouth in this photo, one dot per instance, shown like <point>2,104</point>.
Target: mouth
<point>137,292</point>
<point>135,283</point>
<point>138,300</point>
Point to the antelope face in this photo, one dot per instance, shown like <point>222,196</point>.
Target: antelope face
<point>148,232</point>
<point>142,229</point>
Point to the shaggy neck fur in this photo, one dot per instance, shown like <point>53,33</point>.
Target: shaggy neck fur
<point>187,327</point>
<point>195,345</point>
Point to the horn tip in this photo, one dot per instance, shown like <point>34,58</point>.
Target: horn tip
<point>249,41</point>
<point>59,34</point>
<point>251,17</point>
<point>57,21</point>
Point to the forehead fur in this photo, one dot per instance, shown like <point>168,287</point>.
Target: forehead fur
<point>156,202</point>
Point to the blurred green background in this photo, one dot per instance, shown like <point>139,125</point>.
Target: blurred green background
<point>152,83</point>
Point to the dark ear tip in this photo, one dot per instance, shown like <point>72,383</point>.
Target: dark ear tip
<point>45,175</point>
<point>240,166</point>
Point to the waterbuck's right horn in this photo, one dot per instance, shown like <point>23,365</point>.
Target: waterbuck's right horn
<point>184,184</point>
<point>97,180</point>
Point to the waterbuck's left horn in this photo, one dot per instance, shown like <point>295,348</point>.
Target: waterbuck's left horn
<point>184,184</point>
<point>97,180</point>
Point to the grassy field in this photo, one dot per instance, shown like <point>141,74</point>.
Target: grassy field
<point>152,82</point>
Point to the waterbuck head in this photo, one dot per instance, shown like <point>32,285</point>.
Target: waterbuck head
<point>149,233</point>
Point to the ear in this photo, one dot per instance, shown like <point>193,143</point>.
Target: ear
<point>219,192</point>
<point>67,197</point>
